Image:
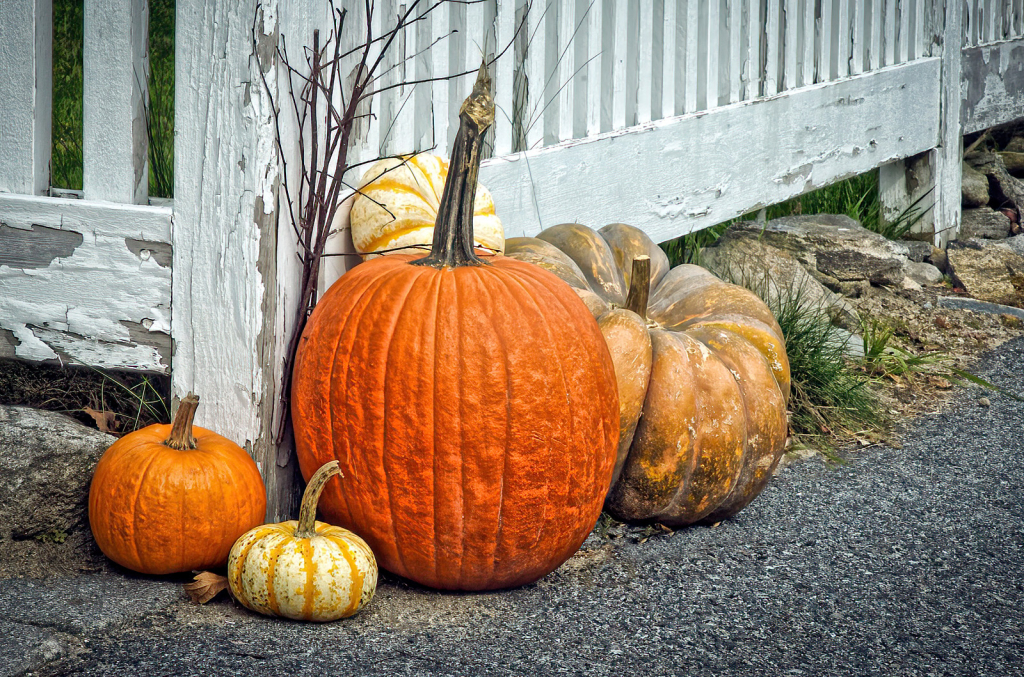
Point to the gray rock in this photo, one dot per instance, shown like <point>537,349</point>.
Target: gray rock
<point>923,273</point>
<point>744,259</point>
<point>973,187</point>
<point>833,248</point>
<point>1015,145</point>
<point>989,270</point>
<point>984,222</point>
<point>1004,190</point>
<point>961,303</point>
<point>918,251</point>
<point>1013,161</point>
<point>46,464</point>
<point>1016,243</point>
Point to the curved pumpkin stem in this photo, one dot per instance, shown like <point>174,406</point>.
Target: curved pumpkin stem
<point>639,286</point>
<point>181,428</point>
<point>453,230</point>
<point>311,496</point>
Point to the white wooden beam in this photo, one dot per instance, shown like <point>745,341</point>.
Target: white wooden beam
<point>26,35</point>
<point>115,67</point>
<point>688,165</point>
<point>992,84</point>
<point>85,282</point>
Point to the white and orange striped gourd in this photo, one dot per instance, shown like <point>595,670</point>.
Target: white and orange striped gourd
<point>397,206</point>
<point>304,570</point>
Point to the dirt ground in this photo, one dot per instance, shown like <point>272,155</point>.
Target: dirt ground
<point>955,337</point>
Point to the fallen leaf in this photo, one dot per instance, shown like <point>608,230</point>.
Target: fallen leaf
<point>106,421</point>
<point>206,586</point>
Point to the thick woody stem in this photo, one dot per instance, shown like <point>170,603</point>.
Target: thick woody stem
<point>311,496</point>
<point>639,286</point>
<point>453,230</point>
<point>181,428</point>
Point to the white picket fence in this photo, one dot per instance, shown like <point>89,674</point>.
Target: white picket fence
<point>672,115</point>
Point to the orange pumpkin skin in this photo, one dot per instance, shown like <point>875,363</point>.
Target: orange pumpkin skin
<point>473,411</point>
<point>159,510</point>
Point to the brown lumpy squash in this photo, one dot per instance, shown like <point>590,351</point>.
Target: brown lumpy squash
<point>702,372</point>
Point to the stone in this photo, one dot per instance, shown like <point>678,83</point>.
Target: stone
<point>833,248</point>
<point>974,305</point>
<point>983,222</point>
<point>46,464</point>
<point>1015,145</point>
<point>1004,190</point>
<point>939,259</point>
<point>923,273</point>
<point>989,270</point>
<point>918,251</point>
<point>984,401</point>
<point>743,259</point>
<point>1013,161</point>
<point>910,284</point>
<point>973,187</point>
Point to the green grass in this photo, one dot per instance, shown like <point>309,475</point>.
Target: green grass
<point>66,150</point>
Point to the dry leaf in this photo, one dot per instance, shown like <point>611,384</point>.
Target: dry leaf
<point>207,585</point>
<point>106,421</point>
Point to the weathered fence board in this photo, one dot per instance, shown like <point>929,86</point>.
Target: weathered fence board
<point>115,69</point>
<point>25,90</point>
<point>226,317</point>
<point>807,138</point>
<point>992,80</point>
<point>86,283</point>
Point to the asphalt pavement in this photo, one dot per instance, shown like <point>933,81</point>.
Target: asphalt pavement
<point>898,562</point>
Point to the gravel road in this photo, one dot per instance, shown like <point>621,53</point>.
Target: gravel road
<point>899,562</point>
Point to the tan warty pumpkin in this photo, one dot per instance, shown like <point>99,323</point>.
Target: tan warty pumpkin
<point>304,570</point>
<point>398,202</point>
<point>701,367</point>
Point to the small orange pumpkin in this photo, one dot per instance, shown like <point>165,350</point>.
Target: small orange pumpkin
<point>173,498</point>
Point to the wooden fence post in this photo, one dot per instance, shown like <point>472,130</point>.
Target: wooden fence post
<point>228,317</point>
<point>115,68</point>
<point>938,171</point>
<point>26,33</point>
<point>947,158</point>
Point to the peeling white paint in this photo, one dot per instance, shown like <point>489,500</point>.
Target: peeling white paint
<point>79,304</point>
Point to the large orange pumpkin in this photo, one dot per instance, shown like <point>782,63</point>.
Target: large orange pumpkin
<point>702,372</point>
<point>471,403</point>
<point>173,498</point>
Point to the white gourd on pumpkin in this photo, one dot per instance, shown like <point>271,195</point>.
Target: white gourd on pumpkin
<point>398,202</point>
<point>303,569</point>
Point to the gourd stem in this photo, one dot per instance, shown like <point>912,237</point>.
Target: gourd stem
<point>181,428</point>
<point>453,230</point>
<point>311,496</point>
<point>639,286</point>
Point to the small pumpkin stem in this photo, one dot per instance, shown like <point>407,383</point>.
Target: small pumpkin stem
<point>181,428</point>
<point>639,286</point>
<point>453,230</point>
<point>311,496</point>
